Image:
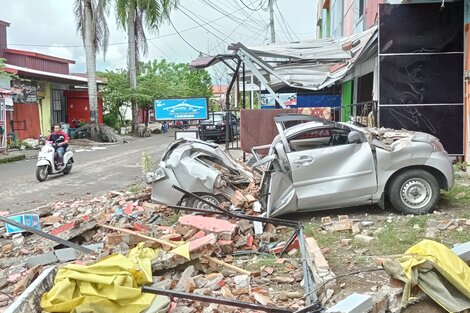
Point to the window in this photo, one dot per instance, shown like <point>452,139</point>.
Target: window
<point>337,18</point>
<point>359,10</point>
<point>318,138</point>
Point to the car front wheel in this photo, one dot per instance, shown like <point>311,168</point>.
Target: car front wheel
<point>414,192</point>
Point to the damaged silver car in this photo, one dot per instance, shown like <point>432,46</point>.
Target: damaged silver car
<point>200,167</point>
<point>316,164</point>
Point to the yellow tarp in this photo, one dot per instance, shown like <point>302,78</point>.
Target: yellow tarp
<point>437,271</point>
<point>109,285</point>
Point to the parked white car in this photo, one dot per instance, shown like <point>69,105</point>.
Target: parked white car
<point>319,164</point>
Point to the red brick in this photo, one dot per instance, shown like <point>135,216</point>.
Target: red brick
<point>209,224</point>
<point>202,242</point>
<point>226,246</point>
<point>62,228</point>
<point>198,235</point>
<point>128,208</point>
<point>294,245</point>
<point>249,242</point>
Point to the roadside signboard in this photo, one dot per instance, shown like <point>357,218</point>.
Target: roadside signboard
<point>181,109</point>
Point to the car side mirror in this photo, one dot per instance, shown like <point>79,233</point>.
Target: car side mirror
<point>355,137</point>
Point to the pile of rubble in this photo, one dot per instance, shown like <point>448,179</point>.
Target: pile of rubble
<point>230,257</point>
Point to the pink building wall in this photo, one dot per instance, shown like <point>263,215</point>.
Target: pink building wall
<point>348,17</point>
<point>371,12</point>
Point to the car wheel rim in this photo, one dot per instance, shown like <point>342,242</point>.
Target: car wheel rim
<point>416,193</point>
<point>201,205</point>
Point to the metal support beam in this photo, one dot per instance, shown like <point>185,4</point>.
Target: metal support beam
<point>48,236</point>
<point>196,297</point>
<point>248,62</point>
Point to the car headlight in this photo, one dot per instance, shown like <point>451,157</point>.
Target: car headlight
<point>151,177</point>
<point>437,145</point>
<point>219,182</point>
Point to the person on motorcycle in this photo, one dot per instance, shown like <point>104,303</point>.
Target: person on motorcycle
<point>60,142</point>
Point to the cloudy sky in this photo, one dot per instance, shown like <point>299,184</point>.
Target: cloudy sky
<point>48,26</point>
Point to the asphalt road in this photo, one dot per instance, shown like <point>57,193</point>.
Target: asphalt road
<point>107,167</point>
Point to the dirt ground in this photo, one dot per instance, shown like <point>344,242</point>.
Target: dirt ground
<point>394,234</point>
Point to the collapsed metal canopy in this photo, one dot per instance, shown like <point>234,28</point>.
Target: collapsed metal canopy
<point>309,64</point>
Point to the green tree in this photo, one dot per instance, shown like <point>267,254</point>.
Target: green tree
<point>135,16</point>
<point>156,80</point>
<point>116,93</point>
<point>90,16</point>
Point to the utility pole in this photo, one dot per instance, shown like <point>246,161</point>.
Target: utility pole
<point>271,20</point>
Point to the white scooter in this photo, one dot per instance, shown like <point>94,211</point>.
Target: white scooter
<point>47,163</point>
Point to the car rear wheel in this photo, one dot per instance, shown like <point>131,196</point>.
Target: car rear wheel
<point>414,192</point>
<point>193,202</point>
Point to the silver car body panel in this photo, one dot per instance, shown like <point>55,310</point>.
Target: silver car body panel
<point>348,174</point>
<point>199,167</point>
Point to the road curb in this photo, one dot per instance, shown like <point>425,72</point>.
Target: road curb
<point>13,158</point>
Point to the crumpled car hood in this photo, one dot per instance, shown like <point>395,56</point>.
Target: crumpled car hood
<point>394,140</point>
<point>187,150</point>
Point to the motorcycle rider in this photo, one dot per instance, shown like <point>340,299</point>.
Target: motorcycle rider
<point>60,142</point>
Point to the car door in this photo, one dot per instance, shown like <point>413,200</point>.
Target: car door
<point>327,171</point>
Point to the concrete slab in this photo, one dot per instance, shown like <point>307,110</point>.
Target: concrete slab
<point>43,259</point>
<point>463,251</point>
<point>354,303</point>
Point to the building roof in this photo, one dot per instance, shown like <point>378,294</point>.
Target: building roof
<point>3,23</point>
<point>219,89</point>
<point>39,56</point>
<point>46,75</point>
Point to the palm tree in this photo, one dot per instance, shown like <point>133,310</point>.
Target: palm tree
<point>90,16</point>
<point>134,16</point>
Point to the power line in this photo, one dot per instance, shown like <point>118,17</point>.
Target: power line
<point>217,8</point>
<point>125,43</point>
<point>185,39</point>
<point>287,34</point>
<point>251,9</point>
<point>285,21</point>
<point>233,31</point>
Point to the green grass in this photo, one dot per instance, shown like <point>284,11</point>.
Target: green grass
<point>134,188</point>
<point>13,158</point>
<point>459,195</point>
<point>264,260</point>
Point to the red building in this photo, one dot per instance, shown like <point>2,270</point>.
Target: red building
<point>45,93</point>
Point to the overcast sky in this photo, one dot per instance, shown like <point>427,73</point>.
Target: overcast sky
<point>48,26</point>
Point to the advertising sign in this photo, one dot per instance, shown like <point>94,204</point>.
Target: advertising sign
<point>288,99</point>
<point>24,91</point>
<point>181,109</point>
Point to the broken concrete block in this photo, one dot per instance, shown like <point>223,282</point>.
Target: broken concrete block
<point>242,281</point>
<point>316,253</point>
<point>215,281</point>
<point>463,251</point>
<point>65,255</point>
<point>209,224</point>
<point>365,238</point>
<point>355,303</point>
<point>43,259</point>
<point>186,282</point>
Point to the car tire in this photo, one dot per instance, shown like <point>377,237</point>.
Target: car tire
<point>193,202</point>
<point>414,191</point>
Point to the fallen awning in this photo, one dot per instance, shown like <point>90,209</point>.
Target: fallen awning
<point>19,70</point>
<point>310,64</point>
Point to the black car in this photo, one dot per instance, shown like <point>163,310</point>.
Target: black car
<point>215,127</point>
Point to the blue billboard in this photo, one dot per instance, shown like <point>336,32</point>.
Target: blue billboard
<point>181,109</point>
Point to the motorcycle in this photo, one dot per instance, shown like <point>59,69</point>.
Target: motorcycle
<point>47,163</point>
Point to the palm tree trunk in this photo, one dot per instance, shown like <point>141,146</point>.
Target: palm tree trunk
<point>90,55</point>
<point>132,60</point>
